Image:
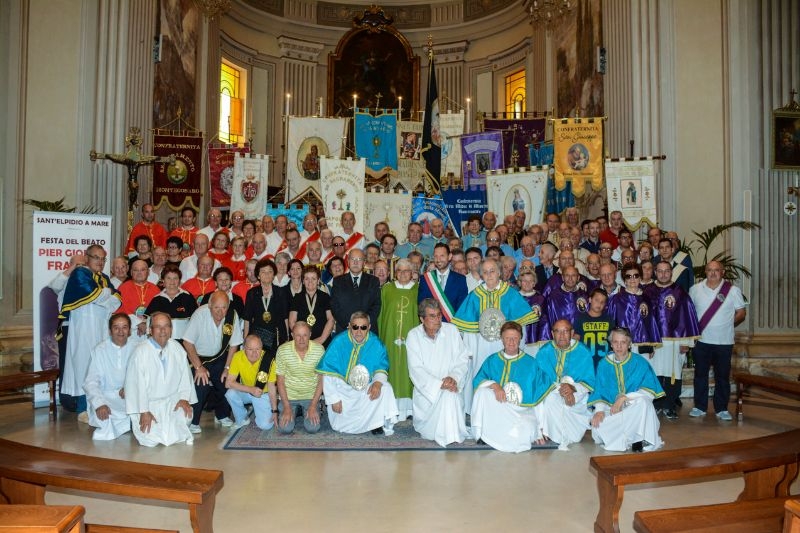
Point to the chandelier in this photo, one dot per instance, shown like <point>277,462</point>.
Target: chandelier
<point>212,8</point>
<point>548,13</point>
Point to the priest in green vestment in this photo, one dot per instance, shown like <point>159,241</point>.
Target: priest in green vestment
<point>398,317</point>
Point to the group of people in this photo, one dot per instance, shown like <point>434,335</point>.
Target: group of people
<point>511,334</point>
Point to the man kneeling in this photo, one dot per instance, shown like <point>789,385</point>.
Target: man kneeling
<point>623,398</point>
<point>105,380</point>
<point>248,383</point>
<point>502,406</point>
<point>299,385</point>
<point>354,370</point>
<point>159,389</point>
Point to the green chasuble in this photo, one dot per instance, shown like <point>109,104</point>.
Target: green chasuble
<point>398,316</point>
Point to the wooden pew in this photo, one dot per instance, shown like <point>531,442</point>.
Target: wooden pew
<point>791,519</point>
<point>769,466</point>
<point>26,472</point>
<point>42,518</point>
<point>751,516</point>
<point>12,378</point>
<point>744,380</point>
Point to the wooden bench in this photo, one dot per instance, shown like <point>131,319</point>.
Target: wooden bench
<point>791,519</point>
<point>744,380</point>
<point>14,377</point>
<point>769,466</point>
<point>26,472</point>
<point>751,516</point>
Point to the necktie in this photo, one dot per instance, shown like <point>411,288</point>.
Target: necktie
<point>441,279</point>
<point>355,282</point>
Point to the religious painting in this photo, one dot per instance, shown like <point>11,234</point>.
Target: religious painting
<point>175,75</point>
<point>786,137</point>
<point>373,67</point>
<point>579,86</point>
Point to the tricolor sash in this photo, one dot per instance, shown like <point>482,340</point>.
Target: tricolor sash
<point>724,289</point>
<point>437,291</point>
<point>301,253</point>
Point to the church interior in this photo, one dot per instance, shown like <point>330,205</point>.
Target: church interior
<point>697,81</point>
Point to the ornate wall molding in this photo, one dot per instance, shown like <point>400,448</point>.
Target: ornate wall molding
<point>450,52</point>
<point>300,50</point>
<point>274,7</point>
<point>405,17</point>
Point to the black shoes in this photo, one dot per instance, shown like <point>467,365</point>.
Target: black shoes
<point>378,431</point>
<point>637,447</point>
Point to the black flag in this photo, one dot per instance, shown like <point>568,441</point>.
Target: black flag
<point>431,141</point>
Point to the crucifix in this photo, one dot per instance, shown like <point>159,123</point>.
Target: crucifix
<point>132,159</point>
<point>377,101</point>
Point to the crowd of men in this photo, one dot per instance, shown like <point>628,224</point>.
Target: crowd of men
<point>513,334</point>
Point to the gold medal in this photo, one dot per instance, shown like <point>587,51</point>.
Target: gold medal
<point>227,329</point>
<point>311,320</point>
<point>267,316</point>
<point>262,377</point>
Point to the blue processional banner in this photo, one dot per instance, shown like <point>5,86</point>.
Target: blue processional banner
<point>295,213</point>
<point>375,138</point>
<point>424,209</point>
<point>557,201</point>
<point>480,153</point>
<point>461,204</point>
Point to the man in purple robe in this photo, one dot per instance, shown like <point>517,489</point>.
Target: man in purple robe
<point>567,300</point>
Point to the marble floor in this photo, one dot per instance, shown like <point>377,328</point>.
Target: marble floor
<point>390,491</point>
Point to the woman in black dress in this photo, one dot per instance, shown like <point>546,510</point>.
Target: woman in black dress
<point>266,309</point>
<point>174,301</point>
<point>313,306</point>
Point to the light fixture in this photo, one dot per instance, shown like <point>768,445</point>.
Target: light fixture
<point>548,13</point>
<point>212,8</point>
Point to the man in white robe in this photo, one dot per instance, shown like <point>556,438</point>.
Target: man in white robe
<point>105,381</point>
<point>159,389</point>
<point>438,362</point>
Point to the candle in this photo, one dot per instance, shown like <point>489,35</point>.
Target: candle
<point>400,110</point>
<point>469,119</point>
<point>355,97</point>
<point>288,100</point>
<point>320,106</point>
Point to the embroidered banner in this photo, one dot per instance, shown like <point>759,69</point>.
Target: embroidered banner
<point>220,173</point>
<point>518,135</point>
<point>375,138</point>
<point>510,191</point>
<point>342,183</point>
<point>250,180</point>
<point>178,185</point>
<point>461,204</point>
<point>309,139</point>
<point>480,153</point>
<point>392,208</point>
<point>410,164</point>
<point>294,212</point>
<point>630,186</point>
<point>578,147</point>
<point>451,127</point>
<point>424,210</point>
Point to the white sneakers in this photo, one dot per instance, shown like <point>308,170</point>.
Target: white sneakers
<point>724,416</point>
<point>83,417</point>
<point>695,412</point>
<point>224,422</point>
<point>194,428</point>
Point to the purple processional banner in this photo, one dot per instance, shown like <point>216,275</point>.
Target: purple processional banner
<point>517,134</point>
<point>480,153</point>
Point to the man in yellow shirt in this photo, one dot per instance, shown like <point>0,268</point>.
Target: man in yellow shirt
<point>299,385</point>
<point>253,386</point>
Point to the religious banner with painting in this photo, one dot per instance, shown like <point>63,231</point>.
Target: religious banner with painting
<point>250,180</point>
<point>220,173</point>
<point>310,138</point>
<point>375,138</point>
<point>451,127</point>
<point>480,153</point>
<point>518,134</point>
<point>294,212</point>
<point>424,210</point>
<point>389,207</point>
<point>630,186</point>
<point>578,153</point>
<point>342,188</point>
<point>410,164</point>
<point>178,185</point>
<point>461,204</point>
<point>524,190</point>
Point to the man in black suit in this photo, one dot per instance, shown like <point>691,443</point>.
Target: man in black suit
<point>355,291</point>
<point>545,269</point>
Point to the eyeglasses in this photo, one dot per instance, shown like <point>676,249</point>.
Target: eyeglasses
<point>355,327</point>
<point>96,257</point>
<point>605,249</point>
<point>338,244</point>
<point>632,276</point>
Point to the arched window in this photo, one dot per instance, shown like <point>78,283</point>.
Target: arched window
<point>231,103</point>
<point>515,94</point>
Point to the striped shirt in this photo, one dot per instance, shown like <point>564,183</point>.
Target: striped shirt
<point>300,375</point>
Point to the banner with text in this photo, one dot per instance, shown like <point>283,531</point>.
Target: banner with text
<point>511,191</point>
<point>375,140</point>
<point>309,139</point>
<point>630,186</point>
<point>424,210</point>
<point>461,204</point>
<point>480,153</point>
<point>389,207</point>
<point>451,127</point>
<point>250,179</point>
<point>56,238</point>
<point>578,153</point>
<point>518,134</point>
<point>295,213</point>
<point>342,182</point>
<point>220,173</point>
<point>411,166</point>
<point>179,184</point>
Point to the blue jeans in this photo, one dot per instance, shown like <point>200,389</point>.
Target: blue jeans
<point>303,404</point>
<point>261,407</point>
<point>719,357</point>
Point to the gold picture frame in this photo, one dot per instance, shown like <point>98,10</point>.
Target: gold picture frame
<point>785,139</point>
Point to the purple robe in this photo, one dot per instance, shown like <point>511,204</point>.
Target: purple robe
<point>633,311</point>
<point>556,280</point>
<point>534,332</point>
<point>563,305</point>
<point>674,311</point>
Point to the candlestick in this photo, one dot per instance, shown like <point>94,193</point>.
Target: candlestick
<point>400,110</point>
<point>320,106</point>
<point>469,119</point>
<point>288,100</point>
<point>355,104</point>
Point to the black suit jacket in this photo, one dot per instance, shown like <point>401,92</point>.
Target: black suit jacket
<point>541,278</point>
<point>345,300</point>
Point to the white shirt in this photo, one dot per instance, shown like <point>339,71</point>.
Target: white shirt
<point>720,328</point>
<point>206,335</point>
<point>188,267</point>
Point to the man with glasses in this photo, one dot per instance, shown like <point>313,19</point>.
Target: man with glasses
<point>89,301</point>
<point>214,219</point>
<point>493,239</point>
<point>355,291</point>
<point>355,371</point>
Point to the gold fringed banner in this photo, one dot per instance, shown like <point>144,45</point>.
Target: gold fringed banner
<point>578,153</point>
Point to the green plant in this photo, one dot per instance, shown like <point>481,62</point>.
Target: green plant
<point>702,244</point>
<point>57,206</point>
